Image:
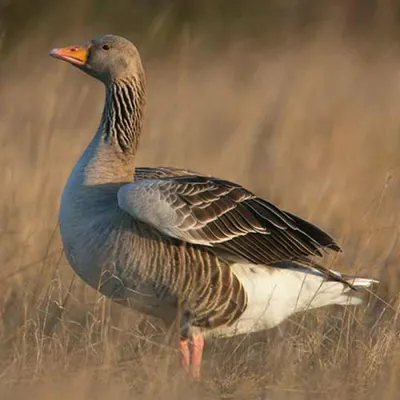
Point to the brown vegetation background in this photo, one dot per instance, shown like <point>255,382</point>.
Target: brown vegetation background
<point>297,100</point>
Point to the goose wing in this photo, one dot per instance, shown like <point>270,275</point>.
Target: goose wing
<point>222,215</point>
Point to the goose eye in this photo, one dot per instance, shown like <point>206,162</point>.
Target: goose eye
<point>105,47</point>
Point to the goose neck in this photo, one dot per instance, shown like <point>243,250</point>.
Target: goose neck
<point>123,113</point>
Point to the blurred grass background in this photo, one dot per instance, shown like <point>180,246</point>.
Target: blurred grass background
<point>297,100</point>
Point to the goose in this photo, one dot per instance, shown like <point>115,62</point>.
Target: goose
<point>197,251</point>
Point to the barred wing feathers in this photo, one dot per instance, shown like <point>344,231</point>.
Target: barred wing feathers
<point>222,215</point>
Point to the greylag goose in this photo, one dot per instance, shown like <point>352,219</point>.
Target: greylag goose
<point>178,245</point>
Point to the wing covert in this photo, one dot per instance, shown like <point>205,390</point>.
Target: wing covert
<point>222,215</point>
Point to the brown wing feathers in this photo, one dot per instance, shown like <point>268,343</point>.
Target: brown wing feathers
<point>236,224</point>
<point>311,230</point>
<point>229,218</point>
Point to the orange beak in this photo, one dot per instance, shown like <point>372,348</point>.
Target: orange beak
<point>75,55</point>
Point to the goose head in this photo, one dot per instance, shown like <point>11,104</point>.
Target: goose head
<point>108,58</point>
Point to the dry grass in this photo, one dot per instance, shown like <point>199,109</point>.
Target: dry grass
<point>313,127</point>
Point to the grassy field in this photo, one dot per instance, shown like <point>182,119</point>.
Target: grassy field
<point>313,125</point>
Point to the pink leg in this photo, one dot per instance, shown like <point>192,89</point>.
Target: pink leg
<point>184,354</point>
<point>191,353</point>
<point>196,352</point>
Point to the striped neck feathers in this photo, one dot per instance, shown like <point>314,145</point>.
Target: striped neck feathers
<point>122,119</point>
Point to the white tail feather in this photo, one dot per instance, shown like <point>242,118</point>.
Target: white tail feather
<point>362,282</point>
<point>275,294</point>
<point>352,297</point>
